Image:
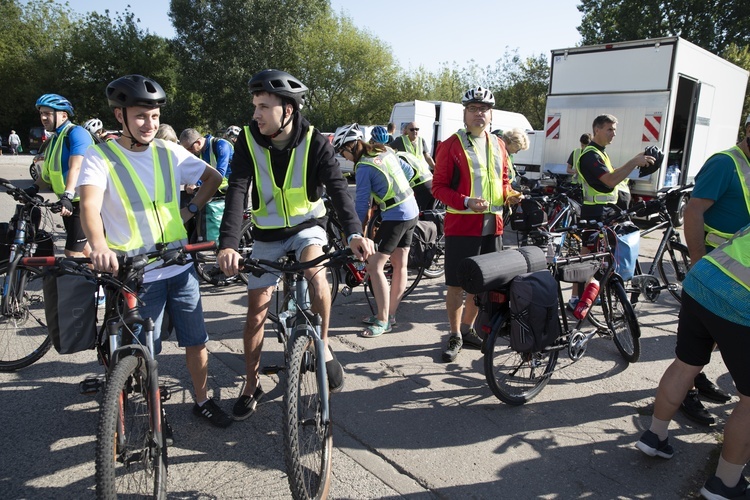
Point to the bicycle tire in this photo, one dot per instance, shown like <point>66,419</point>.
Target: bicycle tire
<point>308,441</point>
<point>24,337</point>
<point>128,461</point>
<point>515,378</point>
<point>673,267</point>
<point>208,270</point>
<point>622,322</point>
<point>436,269</point>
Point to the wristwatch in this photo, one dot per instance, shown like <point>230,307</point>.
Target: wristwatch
<point>193,208</point>
<point>69,195</point>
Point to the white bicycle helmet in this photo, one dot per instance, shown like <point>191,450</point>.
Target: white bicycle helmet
<point>93,125</point>
<point>233,131</point>
<point>479,95</point>
<point>346,134</point>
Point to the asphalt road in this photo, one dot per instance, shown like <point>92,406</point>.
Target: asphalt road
<point>406,424</point>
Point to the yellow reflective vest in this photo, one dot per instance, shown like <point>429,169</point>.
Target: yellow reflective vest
<point>590,195</point>
<point>733,257</point>
<point>52,172</point>
<point>422,172</point>
<point>398,185</point>
<point>486,174</point>
<point>714,237</point>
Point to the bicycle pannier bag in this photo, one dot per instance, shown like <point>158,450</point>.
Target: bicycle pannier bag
<point>534,322</point>
<point>495,270</point>
<point>70,307</point>
<point>528,214</point>
<point>626,250</point>
<point>423,243</point>
<point>212,214</point>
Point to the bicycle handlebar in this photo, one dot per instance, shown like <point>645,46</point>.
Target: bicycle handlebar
<point>284,266</point>
<point>22,196</point>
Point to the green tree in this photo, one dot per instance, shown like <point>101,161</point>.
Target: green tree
<point>741,57</point>
<point>522,86</point>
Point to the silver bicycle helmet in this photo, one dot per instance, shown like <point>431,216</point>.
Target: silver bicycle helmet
<point>93,125</point>
<point>346,134</point>
<point>478,95</point>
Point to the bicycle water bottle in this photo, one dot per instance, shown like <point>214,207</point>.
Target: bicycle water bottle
<point>587,298</point>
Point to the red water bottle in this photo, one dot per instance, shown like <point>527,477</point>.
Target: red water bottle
<point>587,298</point>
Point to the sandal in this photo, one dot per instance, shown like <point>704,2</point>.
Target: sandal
<point>377,329</point>
<point>370,320</point>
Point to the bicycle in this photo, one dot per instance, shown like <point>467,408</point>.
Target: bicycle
<point>24,338</point>
<point>517,377</point>
<point>308,430</point>
<point>131,446</point>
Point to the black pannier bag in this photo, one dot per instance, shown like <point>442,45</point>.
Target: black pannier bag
<point>534,322</point>
<point>495,270</point>
<point>528,215</point>
<point>70,308</point>
<point>423,245</point>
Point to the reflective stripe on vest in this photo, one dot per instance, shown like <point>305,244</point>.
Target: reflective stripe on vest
<point>150,223</point>
<point>422,172</point>
<point>52,169</point>
<point>398,186</point>
<point>485,174</point>
<point>416,150</point>
<point>733,257</point>
<point>590,195</point>
<point>714,237</point>
<point>287,206</point>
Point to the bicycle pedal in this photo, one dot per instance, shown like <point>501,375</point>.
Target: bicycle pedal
<point>272,370</point>
<point>164,393</point>
<point>91,386</point>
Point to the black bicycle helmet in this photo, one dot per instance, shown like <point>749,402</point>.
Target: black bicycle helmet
<point>280,83</point>
<point>135,90</point>
<point>650,169</point>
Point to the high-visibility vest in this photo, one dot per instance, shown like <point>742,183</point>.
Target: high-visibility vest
<point>590,195</point>
<point>576,158</point>
<point>398,185</point>
<point>714,237</point>
<point>415,149</point>
<point>733,257</point>
<point>285,206</point>
<point>214,162</point>
<point>52,172</point>
<point>421,169</point>
<point>486,174</point>
<point>151,222</point>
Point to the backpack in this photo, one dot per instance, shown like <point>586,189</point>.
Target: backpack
<point>70,309</point>
<point>423,245</point>
<point>534,320</point>
<point>529,214</point>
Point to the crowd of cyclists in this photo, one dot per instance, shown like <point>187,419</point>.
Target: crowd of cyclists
<point>134,190</point>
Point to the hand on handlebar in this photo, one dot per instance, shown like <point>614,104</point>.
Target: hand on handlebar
<point>362,247</point>
<point>229,261</point>
<point>104,260</point>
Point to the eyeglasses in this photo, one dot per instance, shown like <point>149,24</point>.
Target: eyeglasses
<point>414,129</point>
<point>477,109</point>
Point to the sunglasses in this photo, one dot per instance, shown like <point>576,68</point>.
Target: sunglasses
<point>415,129</point>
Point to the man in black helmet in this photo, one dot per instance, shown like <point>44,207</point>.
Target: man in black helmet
<point>127,208</point>
<point>282,157</point>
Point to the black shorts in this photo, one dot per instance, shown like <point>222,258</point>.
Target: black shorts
<point>698,329</point>
<point>394,234</point>
<point>457,248</point>
<point>75,239</point>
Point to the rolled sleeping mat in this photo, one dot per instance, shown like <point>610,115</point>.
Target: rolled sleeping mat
<point>496,270</point>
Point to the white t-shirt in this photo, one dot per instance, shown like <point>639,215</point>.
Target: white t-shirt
<point>95,172</point>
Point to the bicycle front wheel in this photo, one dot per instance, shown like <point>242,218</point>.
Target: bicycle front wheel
<point>129,461</point>
<point>515,378</point>
<point>308,440</point>
<point>622,322</point>
<point>673,267</point>
<point>24,337</point>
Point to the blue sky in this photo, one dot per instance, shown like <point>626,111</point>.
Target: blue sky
<point>427,32</point>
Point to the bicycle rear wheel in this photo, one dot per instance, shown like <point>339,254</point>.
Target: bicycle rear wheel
<point>129,462</point>
<point>308,440</point>
<point>622,322</point>
<point>515,378</point>
<point>673,267</point>
<point>24,337</point>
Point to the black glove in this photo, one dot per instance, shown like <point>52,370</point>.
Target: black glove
<point>650,169</point>
<point>31,190</point>
<point>66,203</point>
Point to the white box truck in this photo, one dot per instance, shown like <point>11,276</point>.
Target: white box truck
<point>665,92</point>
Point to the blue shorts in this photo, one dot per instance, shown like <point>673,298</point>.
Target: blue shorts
<point>274,250</point>
<point>181,297</point>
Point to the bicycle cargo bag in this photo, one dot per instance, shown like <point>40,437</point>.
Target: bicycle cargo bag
<point>212,214</point>
<point>529,214</point>
<point>534,322</point>
<point>70,307</point>
<point>495,270</point>
<point>626,250</point>
<point>423,243</point>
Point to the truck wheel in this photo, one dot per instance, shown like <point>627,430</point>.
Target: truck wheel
<point>677,210</point>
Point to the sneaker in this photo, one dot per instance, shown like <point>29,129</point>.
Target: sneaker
<point>335,375</point>
<point>454,347</point>
<point>651,446</point>
<point>245,405</point>
<point>715,489</point>
<point>693,409</point>
<point>166,429</point>
<point>709,390</point>
<point>472,339</point>
<point>573,302</point>
<point>213,413</point>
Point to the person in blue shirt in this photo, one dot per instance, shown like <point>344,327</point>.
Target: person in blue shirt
<point>62,164</point>
<point>215,151</point>
<point>383,177</point>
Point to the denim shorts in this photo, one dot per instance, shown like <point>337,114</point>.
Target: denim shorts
<point>181,297</point>
<point>274,250</point>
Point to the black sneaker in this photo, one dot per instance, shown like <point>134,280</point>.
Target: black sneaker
<point>709,390</point>
<point>335,375</point>
<point>166,429</point>
<point>455,343</point>
<point>245,405</point>
<point>472,339</point>
<point>693,409</point>
<point>213,413</point>
<point>715,489</point>
<point>651,446</point>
